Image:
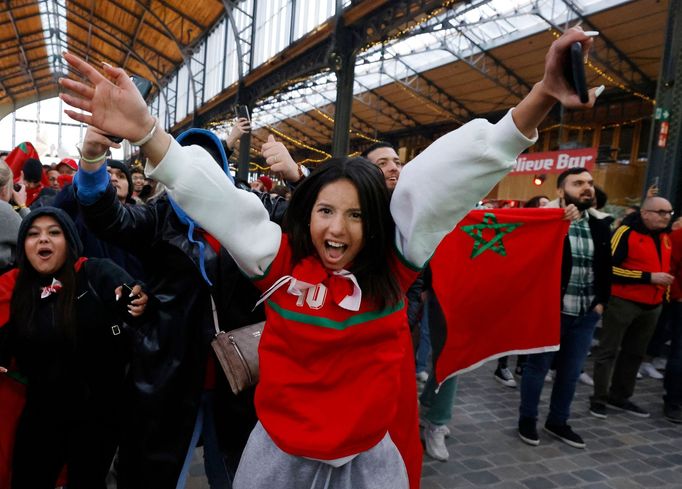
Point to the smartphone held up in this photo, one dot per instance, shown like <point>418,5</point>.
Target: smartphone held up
<point>574,71</point>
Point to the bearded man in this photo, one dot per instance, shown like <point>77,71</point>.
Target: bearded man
<point>585,290</point>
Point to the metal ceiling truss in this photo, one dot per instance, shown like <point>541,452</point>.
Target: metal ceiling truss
<point>422,85</point>
<point>369,28</point>
<point>133,38</point>
<point>115,28</point>
<point>385,108</point>
<point>298,134</point>
<point>244,38</point>
<point>24,62</point>
<point>311,84</point>
<point>492,68</point>
<point>313,123</point>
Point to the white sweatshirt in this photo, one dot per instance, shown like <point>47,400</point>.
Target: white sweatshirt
<point>434,192</point>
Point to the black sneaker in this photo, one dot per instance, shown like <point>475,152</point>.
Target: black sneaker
<point>672,413</point>
<point>629,407</point>
<point>598,410</point>
<point>528,432</point>
<point>564,433</point>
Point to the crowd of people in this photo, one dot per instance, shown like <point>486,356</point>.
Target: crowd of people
<point>115,278</point>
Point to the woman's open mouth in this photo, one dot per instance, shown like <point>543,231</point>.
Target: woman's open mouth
<point>335,250</point>
<point>45,253</point>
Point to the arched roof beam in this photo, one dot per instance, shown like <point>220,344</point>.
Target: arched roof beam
<point>24,59</point>
<point>133,39</point>
<point>116,28</point>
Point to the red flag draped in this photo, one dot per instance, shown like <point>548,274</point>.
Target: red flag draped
<point>497,277</point>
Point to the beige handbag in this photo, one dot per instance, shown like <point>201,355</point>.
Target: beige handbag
<point>237,352</point>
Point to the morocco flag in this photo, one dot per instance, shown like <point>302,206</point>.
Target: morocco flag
<point>497,277</point>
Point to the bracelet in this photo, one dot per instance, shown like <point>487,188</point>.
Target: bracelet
<point>149,135</point>
<point>96,159</point>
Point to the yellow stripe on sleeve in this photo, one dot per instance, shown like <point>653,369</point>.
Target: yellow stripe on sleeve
<point>615,239</point>
<point>622,272</point>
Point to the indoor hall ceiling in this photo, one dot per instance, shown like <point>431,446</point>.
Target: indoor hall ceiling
<point>464,88</point>
<point>146,37</point>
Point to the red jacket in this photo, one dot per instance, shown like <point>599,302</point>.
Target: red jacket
<point>676,265</point>
<point>636,255</point>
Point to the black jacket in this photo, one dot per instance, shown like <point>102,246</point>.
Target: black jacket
<point>169,361</point>
<point>601,261</point>
<point>76,384</point>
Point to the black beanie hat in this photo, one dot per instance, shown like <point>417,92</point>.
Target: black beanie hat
<point>119,165</point>
<point>33,170</point>
<point>68,227</point>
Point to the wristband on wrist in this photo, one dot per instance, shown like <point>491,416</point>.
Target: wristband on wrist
<point>149,135</point>
<point>96,159</point>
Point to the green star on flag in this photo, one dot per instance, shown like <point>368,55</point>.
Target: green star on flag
<point>495,243</point>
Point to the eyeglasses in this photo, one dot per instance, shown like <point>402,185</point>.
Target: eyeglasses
<point>661,212</point>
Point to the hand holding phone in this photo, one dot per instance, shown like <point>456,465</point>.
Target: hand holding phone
<point>574,71</point>
<point>131,300</point>
<point>242,112</point>
<point>144,86</point>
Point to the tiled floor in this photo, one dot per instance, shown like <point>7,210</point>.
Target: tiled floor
<point>623,452</point>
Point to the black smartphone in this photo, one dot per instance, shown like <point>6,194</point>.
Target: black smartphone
<point>242,111</point>
<point>574,71</point>
<point>17,187</point>
<point>125,298</point>
<point>144,86</point>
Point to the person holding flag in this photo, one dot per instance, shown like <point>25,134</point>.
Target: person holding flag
<point>585,290</point>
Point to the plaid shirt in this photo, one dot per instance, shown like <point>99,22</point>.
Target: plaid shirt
<point>580,290</point>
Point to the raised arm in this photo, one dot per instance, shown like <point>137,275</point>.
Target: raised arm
<point>444,182</point>
<point>236,218</point>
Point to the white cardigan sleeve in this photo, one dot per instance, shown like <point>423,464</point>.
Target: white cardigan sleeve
<point>235,217</point>
<point>443,183</point>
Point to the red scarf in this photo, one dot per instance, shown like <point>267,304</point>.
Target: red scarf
<point>311,271</point>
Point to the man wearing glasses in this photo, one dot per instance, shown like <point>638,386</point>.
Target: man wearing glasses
<point>641,249</point>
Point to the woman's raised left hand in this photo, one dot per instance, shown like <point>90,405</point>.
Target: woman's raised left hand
<point>114,103</point>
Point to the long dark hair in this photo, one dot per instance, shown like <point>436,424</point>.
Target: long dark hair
<point>371,265</point>
<point>26,294</point>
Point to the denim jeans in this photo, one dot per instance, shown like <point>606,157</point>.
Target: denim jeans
<point>673,370</point>
<point>576,337</point>
<point>424,348</point>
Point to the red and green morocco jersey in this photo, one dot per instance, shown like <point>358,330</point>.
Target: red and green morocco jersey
<point>330,378</point>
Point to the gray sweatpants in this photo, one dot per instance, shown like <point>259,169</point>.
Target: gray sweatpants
<point>264,466</point>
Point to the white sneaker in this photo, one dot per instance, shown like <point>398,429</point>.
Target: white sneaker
<point>423,423</point>
<point>648,370</point>
<point>639,375</point>
<point>434,441</point>
<point>586,379</point>
<point>659,363</point>
<point>422,376</point>
<point>550,376</point>
<point>504,377</point>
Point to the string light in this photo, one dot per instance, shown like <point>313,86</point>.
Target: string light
<point>589,128</point>
<point>351,131</point>
<point>297,142</point>
<point>423,99</point>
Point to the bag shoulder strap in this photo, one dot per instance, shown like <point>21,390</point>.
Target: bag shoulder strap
<point>215,316</point>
